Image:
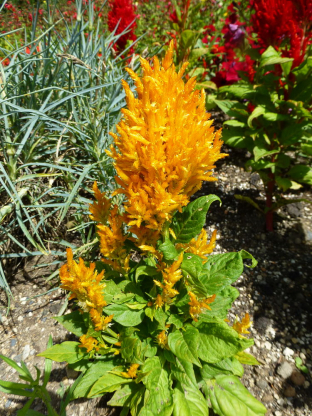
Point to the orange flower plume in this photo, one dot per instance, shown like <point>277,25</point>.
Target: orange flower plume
<point>165,146</point>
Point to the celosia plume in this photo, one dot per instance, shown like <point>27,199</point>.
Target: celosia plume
<point>166,145</point>
<point>197,307</point>
<point>122,14</point>
<point>85,285</point>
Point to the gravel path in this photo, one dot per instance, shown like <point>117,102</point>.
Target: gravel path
<point>277,294</point>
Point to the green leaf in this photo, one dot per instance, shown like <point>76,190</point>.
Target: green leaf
<point>97,370</point>
<point>300,365</point>
<point>276,117</point>
<point>187,38</point>
<point>124,395</point>
<point>191,267</point>
<point>234,123</point>
<point>222,303</point>
<point>301,173</point>
<point>145,270</point>
<point>219,341</point>
<point>262,152</point>
<point>229,365</point>
<point>132,350</point>
<point>198,52</point>
<point>10,387</point>
<point>183,372</point>
<point>189,223</point>
<point>73,322</point>
<point>168,250</point>
<point>245,358</point>
<point>125,316</point>
<point>158,398</point>
<point>239,90</point>
<point>219,267</point>
<point>107,383</point>
<point>232,108</point>
<point>272,57</point>
<point>184,344</point>
<point>257,112</point>
<point>67,351</point>
<point>189,402</point>
<point>206,84</point>
<point>175,320</point>
<point>229,397</point>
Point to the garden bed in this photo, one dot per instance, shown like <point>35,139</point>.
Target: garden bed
<point>277,294</point>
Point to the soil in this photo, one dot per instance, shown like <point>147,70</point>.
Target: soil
<point>277,294</point>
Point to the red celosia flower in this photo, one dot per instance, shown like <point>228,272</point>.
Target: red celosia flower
<point>122,14</point>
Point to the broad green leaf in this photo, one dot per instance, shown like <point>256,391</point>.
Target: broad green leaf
<point>276,117</point>
<point>219,341</point>
<point>145,270</point>
<point>198,52</point>
<point>183,372</point>
<point>262,152</point>
<point>191,267</point>
<point>283,183</point>
<point>206,84</point>
<point>229,365</point>
<point>68,351</point>
<point>234,123</point>
<point>245,358</point>
<point>97,370</point>
<point>184,344</point>
<point>189,402</point>
<point>222,303</point>
<point>221,266</point>
<point>125,316</point>
<point>73,322</point>
<point>232,108</point>
<point>257,112</point>
<point>229,397</point>
<point>239,90</point>
<point>168,250</point>
<point>175,320</point>
<point>272,57</point>
<point>132,350</point>
<point>306,149</point>
<point>123,396</point>
<point>301,173</point>
<point>187,38</point>
<point>158,398</point>
<point>189,223</point>
<point>108,383</point>
<point>111,290</point>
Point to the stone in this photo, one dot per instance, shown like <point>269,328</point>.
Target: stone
<point>289,391</point>
<point>278,413</point>
<point>297,378</point>
<point>262,384</point>
<point>288,352</point>
<point>285,370</point>
<point>13,342</point>
<point>267,398</point>
<point>26,352</point>
<point>306,384</point>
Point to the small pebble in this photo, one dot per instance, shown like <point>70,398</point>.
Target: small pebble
<point>285,370</point>
<point>289,391</point>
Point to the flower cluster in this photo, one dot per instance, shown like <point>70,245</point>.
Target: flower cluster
<point>283,24</point>
<point>197,307</point>
<point>241,327</point>
<point>86,287</point>
<point>122,16</point>
<point>166,146</point>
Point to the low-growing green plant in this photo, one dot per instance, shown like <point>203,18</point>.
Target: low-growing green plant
<point>152,312</point>
<point>60,94</point>
<point>34,389</point>
<point>271,118</point>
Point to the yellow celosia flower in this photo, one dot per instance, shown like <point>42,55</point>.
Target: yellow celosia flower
<point>197,307</point>
<point>111,237</point>
<point>162,340</point>
<point>100,322</point>
<point>171,275</point>
<point>89,343</point>
<point>199,246</point>
<point>100,208</point>
<point>241,327</point>
<point>166,145</point>
<point>132,372</point>
<point>84,283</point>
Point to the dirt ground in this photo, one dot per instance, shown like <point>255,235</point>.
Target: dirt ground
<point>277,294</point>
